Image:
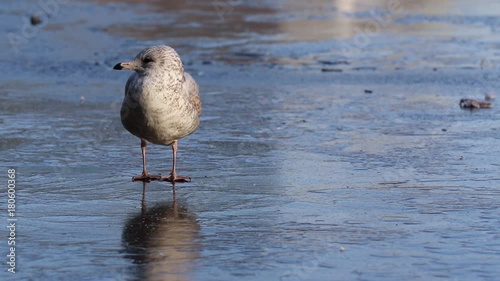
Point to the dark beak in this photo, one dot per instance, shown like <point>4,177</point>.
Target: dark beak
<point>118,66</point>
<point>125,65</point>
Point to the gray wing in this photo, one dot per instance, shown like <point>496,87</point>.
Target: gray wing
<point>191,91</point>
<point>130,81</point>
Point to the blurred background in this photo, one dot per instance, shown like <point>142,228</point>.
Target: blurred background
<point>381,34</point>
<point>332,145</point>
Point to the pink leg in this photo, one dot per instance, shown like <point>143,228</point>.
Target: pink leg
<point>145,175</point>
<point>173,175</point>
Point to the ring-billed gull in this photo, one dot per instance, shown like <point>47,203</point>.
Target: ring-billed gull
<point>161,103</point>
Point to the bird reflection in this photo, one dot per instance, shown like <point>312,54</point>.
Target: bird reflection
<point>162,241</point>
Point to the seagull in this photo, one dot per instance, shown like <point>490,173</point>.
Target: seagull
<point>474,104</point>
<point>161,104</point>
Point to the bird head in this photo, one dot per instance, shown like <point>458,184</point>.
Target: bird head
<point>161,58</point>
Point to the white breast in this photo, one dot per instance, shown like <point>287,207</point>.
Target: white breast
<point>158,112</point>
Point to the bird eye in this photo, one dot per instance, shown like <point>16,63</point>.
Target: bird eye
<point>147,59</point>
